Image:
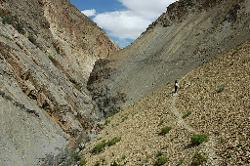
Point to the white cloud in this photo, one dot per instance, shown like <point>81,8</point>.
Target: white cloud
<point>130,23</point>
<point>89,13</point>
<point>149,9</point>
<point>122,24</point>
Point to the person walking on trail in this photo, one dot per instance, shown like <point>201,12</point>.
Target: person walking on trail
<point>176,86</point>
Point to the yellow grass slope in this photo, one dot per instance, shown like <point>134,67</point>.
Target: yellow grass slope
<point>213,101</point>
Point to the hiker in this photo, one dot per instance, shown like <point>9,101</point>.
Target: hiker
<point>176,86</point>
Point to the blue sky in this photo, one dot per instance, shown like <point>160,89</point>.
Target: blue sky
<point>99,5</point>
<point>123,20</point>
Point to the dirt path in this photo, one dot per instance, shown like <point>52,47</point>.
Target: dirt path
<point>209,147</point>
<point>179,119</point>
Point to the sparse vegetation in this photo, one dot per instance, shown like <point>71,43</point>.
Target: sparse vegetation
<point>99,147</point>
<point>114,163</point>
<point>161,159</point>
<point>114,110</point>
<point>160,109</point>
<point>123,157</point>
<point>159,153</point>
<point>83,162</point>
<point>180,162</point>
<point>113,141</point>
<point>165,131</point>
<point>76,156</point>
<point>51,57</point>
<point>220,88</point>
<point>187,114</point>
<point>198,139</point>
<point>198,159</point>
<point>97,164</point>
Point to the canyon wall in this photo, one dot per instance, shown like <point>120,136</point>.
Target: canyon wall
<point>47,52</point>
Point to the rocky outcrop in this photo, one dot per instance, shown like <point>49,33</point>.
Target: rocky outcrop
<point>178,11</point>
<point>188,35</point>
<point>47,52</point>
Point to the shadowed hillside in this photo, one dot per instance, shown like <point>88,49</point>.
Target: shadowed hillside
<point>188,35</point>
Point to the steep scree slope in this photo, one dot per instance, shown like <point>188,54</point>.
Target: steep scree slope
<point>47,51</point>
<point>213,101</point>
<point>183,38</point>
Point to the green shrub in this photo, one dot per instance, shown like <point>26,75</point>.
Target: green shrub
<point>51,57</point>
<point>123,157</point>
<point>180,162</point>
<point>99,147</point>
<point>113,141</point>
<point>220,88</point>
<point>76,157</point>
<point>187,114</point>
<point>161,159</point>
<point>198,159</point>
<point>198,139</point>
<point>83,162</point>
<point>158,154</point>
<point>114,163</point>
<point>97,164</point>
<point>165,131</point>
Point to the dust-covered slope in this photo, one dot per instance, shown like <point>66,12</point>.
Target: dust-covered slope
<point>213,101</point>
<point>183,38</point>
<point>47,51</point>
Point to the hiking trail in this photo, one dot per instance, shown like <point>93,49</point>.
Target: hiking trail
<point>209,147</point>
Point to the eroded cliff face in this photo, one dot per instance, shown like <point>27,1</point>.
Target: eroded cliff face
<point>47,51</point>
<point>188,35</point>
